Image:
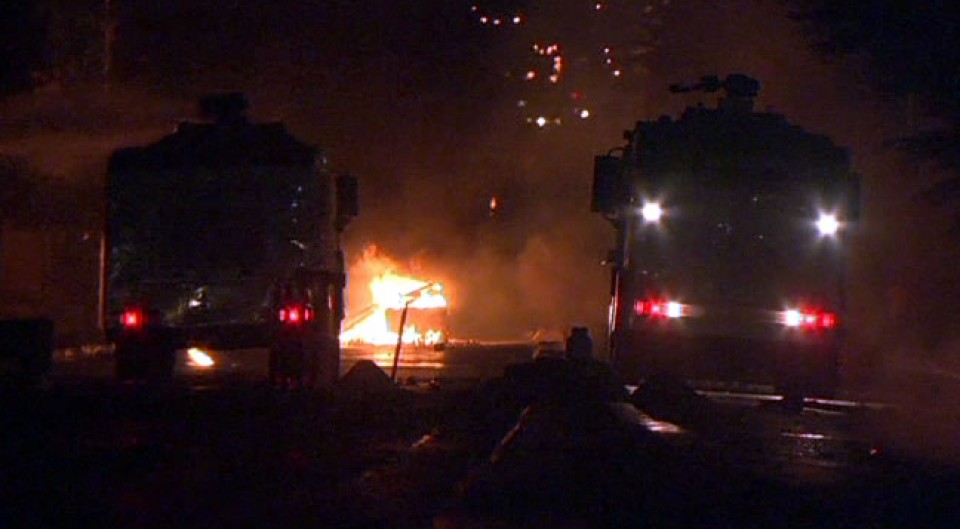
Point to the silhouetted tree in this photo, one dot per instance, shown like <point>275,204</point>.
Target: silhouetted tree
<point>30,197</point>
<point>22,35</point>
<point>905,48</point>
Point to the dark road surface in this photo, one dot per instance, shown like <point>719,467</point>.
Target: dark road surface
<point>220,449</point>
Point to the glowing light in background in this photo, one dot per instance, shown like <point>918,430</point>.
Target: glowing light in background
<point>497,18</point>
<point>582,47</point>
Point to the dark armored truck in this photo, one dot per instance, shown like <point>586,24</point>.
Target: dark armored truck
<point>731,242</point>
<point>225,235</point>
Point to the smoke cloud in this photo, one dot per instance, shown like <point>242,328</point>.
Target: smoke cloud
<point>413,98</point>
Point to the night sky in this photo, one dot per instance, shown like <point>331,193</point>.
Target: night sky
<point>421,99</point>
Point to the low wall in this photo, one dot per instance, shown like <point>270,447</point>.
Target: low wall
<point>26,350</point>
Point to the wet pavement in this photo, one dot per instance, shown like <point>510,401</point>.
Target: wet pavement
<point>221,449</point>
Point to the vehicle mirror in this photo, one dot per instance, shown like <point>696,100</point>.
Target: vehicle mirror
<point>608,194</point>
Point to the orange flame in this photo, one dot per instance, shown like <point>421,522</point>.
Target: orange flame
<point>389,291</point>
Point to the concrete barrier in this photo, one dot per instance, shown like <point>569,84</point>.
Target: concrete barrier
<point>26,350</point>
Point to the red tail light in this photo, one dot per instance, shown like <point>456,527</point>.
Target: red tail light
<point>809,319</point>
<point>827,320</point>
<point>296,314</point>
<point>133,319</point>
<point>659,309</point>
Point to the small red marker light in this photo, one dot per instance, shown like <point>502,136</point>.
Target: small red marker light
<point>809,320</point>
<point>660,309</point>
<point>132,318</point>
<point>828,320</point>
<point>296,314</point>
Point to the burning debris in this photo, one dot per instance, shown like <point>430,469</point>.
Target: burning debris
<point>390,300</point>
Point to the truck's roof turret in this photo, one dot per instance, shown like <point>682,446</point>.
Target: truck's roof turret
<point>733,138</point>
<point>227,139</point>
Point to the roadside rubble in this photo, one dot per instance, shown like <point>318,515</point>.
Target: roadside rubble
<point>539,446</point>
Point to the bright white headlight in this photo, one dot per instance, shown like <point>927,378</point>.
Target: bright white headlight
<point>651,212</point>
<point>674,309</point>
<point>828,224</point>
<point>792,318</point>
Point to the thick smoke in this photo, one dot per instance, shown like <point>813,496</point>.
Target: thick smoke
<point>60,138</point>
<point>412,98</point>
<point>534,264</point>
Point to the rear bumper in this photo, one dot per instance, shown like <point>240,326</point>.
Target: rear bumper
<point>779,358</point>
<point>224,336</point>
<point>750,324</point>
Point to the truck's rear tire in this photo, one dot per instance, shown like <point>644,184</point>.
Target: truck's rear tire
<point>296,363</point>
<point>145,357</point>
<point>287,364</point>
<point>26,351</point>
